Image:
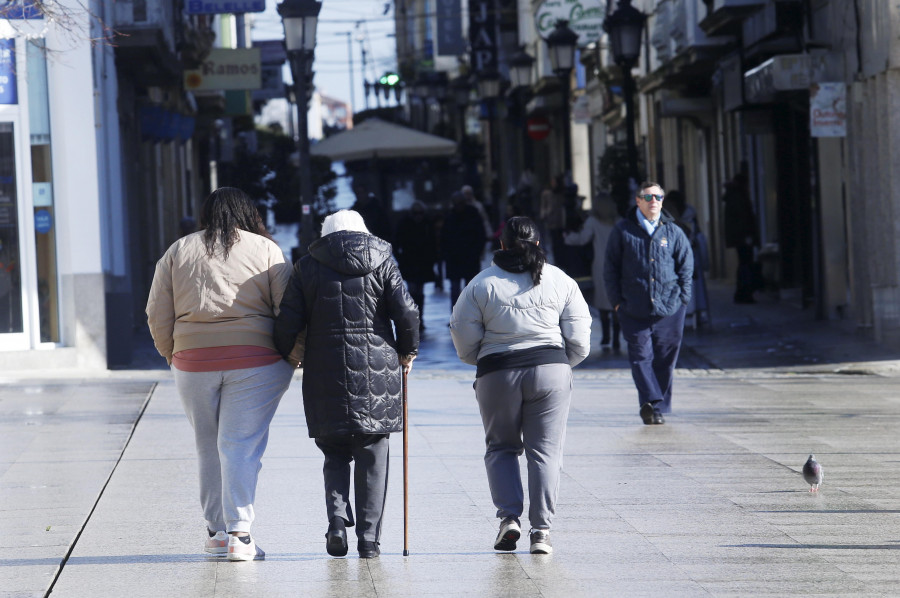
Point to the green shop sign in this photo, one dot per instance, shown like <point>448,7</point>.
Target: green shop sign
<point>585,18</point>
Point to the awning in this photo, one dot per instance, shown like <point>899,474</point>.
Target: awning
<point>375,138</point>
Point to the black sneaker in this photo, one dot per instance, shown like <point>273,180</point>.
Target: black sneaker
<point>336,537</point>
<point>367,550</point>
<point>540,541</point>
<point>510,532</point>
<point>647,413</point>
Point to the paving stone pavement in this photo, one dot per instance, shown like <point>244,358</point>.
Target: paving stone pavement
<point>98,490</point>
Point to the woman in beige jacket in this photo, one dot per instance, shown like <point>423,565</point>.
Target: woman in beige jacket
<point>211,312</point>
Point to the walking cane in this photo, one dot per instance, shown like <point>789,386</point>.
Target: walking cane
<point>405,467</point>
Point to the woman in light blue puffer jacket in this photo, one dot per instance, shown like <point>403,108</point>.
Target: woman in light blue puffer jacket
<point>524,324</point>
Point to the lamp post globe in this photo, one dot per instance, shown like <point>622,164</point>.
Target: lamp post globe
<point>460,88</point>
<point>300,18</point>
<point>489,85</point>
<point>625,28</point>
<point>561,43</point>
<point>520,69</point>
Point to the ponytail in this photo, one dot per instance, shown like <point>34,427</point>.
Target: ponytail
<point>520,238</point>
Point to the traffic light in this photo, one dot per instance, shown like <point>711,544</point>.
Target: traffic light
<point>388,82</point>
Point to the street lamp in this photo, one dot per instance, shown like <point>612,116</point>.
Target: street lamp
<point>521,77</point>
<point>460,88</point>
<point>489,84</point>
<point>561,44</point>
<point>520,71</point>
<point>299,18</point>
<point>625,28</point>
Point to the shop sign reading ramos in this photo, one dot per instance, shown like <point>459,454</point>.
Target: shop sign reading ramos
<point>585,18</point>
<point>226,69</point>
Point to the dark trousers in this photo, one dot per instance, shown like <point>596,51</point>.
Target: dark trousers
<point>417,292</point>
<point>370,477</point>
<point>653,345</point>
<point>608,317</point>
<point>744,283</point>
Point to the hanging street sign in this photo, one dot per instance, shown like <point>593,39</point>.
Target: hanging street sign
<point>483,36</point>
<point>828,110</point>
<point>585,18</point>
<point>226,69</point>
<point>538,128</point>
<point>216,7</point>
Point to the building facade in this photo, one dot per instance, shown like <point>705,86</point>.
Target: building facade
<point>798,97</point>
<point>105,157</point>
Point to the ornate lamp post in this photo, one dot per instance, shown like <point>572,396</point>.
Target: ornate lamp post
<point>460,89</point>
<point>561,43</point>
<point>300,18</point>
<point>489,83</point>
<point>625,28</point>
<point>521,77</point>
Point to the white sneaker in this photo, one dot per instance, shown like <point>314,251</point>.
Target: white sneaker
<point>540,541</point>
<point>244,548</point>
<point>217,544</point>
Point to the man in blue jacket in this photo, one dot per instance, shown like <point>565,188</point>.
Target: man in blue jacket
<point>647,273</point>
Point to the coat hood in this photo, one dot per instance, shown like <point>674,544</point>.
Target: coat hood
<point>350,252</point>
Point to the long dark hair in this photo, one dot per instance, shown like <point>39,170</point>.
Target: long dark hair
<point>226,211</point>
<point>520,238</point>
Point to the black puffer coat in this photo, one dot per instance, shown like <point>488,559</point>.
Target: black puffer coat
<point>346,294</point>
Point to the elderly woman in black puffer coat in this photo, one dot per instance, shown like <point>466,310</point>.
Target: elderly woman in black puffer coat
<point>344,296</point>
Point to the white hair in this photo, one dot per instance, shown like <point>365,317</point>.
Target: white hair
<point>343,220</point>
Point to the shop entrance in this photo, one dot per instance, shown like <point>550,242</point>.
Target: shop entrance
<point>12,296</point>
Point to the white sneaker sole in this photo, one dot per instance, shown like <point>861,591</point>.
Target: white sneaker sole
<point>220,550</point>
<point>247,556</point>
<point>541,548</point>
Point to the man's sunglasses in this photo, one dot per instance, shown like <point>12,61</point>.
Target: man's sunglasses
<point>650,197</point>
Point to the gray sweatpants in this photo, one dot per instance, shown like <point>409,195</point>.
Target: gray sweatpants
<point>230,412</point>
<point>525,410</point>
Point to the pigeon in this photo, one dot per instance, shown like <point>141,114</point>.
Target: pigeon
<point>813,473</point>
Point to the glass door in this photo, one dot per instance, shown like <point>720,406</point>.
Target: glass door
<point>12,297</point>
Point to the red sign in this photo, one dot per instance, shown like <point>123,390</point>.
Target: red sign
<point>538,128</point>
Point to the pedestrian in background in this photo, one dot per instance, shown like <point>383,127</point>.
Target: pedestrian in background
<point>462,243</point>
<point>552,215</point>
<point>469,195</point>
<point>596,230</point>
<point>347,296</point>
<point>373,213</point>
<point>648,270</point>
<point>524,324</point>
<point>686,217</point>
<point>416,254</point>
<point>741,234</point>
<point>211,312</point>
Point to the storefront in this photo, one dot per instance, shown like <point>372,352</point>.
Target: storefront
<point>51,284</point>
